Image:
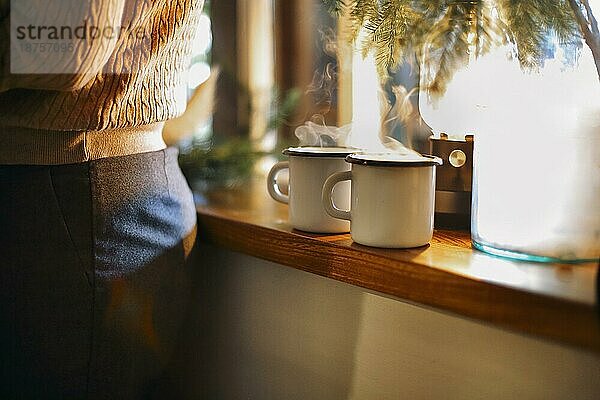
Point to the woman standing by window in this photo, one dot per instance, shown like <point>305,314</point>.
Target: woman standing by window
<point>96,219</point>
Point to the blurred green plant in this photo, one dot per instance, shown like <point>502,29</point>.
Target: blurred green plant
<point>229,162</point>
<point>455,30</point>
<point>283,107</point>
<point>207,164</point>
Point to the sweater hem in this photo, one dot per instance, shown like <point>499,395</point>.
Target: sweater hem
<point>26,146</point>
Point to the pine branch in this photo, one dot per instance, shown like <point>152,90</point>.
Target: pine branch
<point>386,32</point>
<point>427,15</point>
<point>592,39</point>
<point>362,12</point>
<point>335,7</point>
<point>489,31</point>
<point>444,34</point>
<point>590,17</point>
<point>449,44</point>
<point>560,19</point>
<point>525,29</point>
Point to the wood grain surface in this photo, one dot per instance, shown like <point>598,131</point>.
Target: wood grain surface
<point>551,301</point>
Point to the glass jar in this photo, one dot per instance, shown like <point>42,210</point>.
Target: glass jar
<point>536,179</point>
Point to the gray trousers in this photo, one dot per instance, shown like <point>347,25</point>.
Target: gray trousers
<point>94,276</point>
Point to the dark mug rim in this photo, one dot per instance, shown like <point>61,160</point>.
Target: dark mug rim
<point>431,161</point>
<point>302,151</point>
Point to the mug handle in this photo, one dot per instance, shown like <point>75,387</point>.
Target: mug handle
<point>273,187</point>
<point>327,195</point>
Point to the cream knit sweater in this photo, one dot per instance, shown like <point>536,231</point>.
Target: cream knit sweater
<point>124,88</point>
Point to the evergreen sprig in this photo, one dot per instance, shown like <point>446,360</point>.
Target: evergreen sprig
<point>362,13</point>
<point>528,21</point>
<point>392,21</point>
<point>449,45</point>
<point>335,6</point>
<point>446,34</point>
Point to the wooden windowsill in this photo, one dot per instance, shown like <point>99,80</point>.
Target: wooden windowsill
<point>550,301</point>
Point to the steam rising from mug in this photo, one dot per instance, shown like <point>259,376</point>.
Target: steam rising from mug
<point>376,114</point>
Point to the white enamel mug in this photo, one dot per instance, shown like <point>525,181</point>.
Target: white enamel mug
<point>309,167</point>
<point>392,199</point>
